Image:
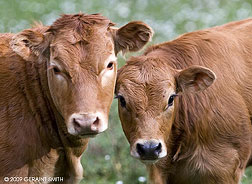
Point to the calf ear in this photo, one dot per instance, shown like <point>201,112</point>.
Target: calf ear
<point>28,43</point>
<point>194,78</point>
<point>132,37</point>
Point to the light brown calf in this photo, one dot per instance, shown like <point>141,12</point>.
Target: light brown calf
<point>56,88</point>
<point>183,132</point>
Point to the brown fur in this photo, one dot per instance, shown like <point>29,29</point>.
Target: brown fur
<point>207,134</point>
<point>34,140</point>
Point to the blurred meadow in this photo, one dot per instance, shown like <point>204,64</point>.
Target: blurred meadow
<point>107,159</point>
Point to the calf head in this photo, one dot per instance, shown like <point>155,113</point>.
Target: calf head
<point>80,51</point>
<point>146,89</point>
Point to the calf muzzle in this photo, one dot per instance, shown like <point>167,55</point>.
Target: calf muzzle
<point>149,150</point>
<point>86,125</point>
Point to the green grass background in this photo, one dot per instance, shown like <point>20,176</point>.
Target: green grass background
<point>107,159</point>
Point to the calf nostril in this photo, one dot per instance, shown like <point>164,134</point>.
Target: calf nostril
<point>95,124</point>
<point>76,123</point>
<point>158,148</point>
<point>140,149</point>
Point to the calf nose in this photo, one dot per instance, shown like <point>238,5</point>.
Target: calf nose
<point>86,124</point>
<point>149,150</point>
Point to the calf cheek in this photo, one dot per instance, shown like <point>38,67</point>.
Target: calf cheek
<point>165,126</point>
<point>60,93</point>
<point>107,92</point>
<point>106,98</point>
<point>128,127</point>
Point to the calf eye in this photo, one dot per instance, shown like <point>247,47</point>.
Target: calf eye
<point>122,101</point>
<point>56,70</point>
<point>110,65</point>
<point>171,99</point>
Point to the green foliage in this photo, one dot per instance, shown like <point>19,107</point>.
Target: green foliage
<point>107,160</point>
<point>247,179</point>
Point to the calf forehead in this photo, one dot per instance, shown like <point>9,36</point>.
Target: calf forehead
<point>82,36</point>
<point>94,35</point>
<point>83,50</point>
<point>150,74</point>
<point>145,69</point>
<point>83,25</point>
<point>92,55</point>
<point>145,90</point>
<point>147,98</point>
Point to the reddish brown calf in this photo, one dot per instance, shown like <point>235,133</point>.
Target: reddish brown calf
<point>183,132</point>
<point>56,88</point>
